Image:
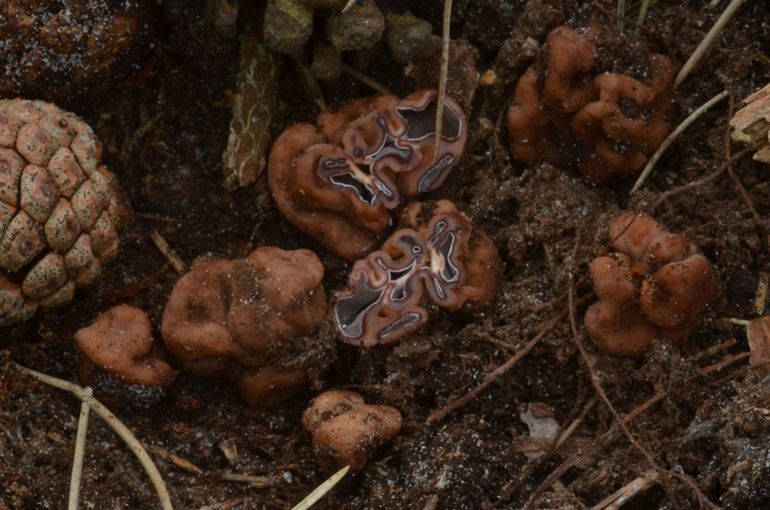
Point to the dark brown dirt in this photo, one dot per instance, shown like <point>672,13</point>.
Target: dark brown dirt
<point>164,133</point>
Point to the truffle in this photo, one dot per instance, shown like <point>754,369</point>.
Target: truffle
<point>337,181</point>
<point>67,49</point>
<point>119,343</point>
<point>566,111</point>
<point>346,431</point>
<point>656,285</point>
<point>59,209</point>
<point>438,255</point>
<point>228,317</point>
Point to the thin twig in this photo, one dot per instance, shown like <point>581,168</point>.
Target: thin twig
<point>580,456</point>
<point>366,80</point>
<point>253,480</point>
<point>320,491</point>
<point>175,459</point>
<point>494,375</point>
<point>736,181</point>
<point>312,88</point>
<point>177,263</point>
<point>730,360</point>
<point>447,20</point>
<point>115,424</point>
<point>707,41</point>
<point>704,180</point>
<point>80,449</point>
<point>621,14</point>
<point>714,349</point>
<point>673,136</point>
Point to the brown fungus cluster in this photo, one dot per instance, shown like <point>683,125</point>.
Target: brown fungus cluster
<point>59,208</point>
<point>438,254</point>
<point>346,431</point>
<point>655,286</point>
<point>339,180</point>
<point>565,110</point>
<point>232,318</point>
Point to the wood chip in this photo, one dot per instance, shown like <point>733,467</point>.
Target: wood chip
<point>752,123</point>
<point>758,334</point>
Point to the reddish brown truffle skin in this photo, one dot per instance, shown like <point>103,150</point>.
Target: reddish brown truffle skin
<point>564,111</point>
<point>346,431</point>
<point>232,312</point>
<point>120,342</point>
<point>60,210</point>
<point>339,180</point>
<point>656,286</point>
<point>438,255</point>
<point>67,49</point>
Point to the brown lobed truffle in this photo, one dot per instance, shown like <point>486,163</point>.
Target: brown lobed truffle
<point>337,181</point>
<point>59,209</point>
<point>655,286</point>
<point>119,343</point>
<point>225,317</point>
<point>65,49</point>
<point>565,111</point>
<point>346,431</point>
<point>438,253</point>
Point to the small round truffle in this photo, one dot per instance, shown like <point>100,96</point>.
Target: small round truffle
<point>227,318</point>
<point>346,431</point>
<point>119,343</point>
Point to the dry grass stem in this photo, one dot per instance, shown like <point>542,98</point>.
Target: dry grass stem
<point>620,497</point>
<point>366,80</point>
<point>446,22</point>
<point>702,181</point>
<point>253,480</point>
<point>80,450</point>
<point>115,424</point>
<point>175,459</point>
<point>567,432</point>
<point>673,136</point>
<point>707,41</point>
<point>177,263</point>
<point>621,14</point>
<point>320,491</point>
<point>642,14</point>
<point>348,5</point>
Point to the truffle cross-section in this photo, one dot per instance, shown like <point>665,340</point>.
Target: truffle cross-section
<point>339,180</point>
<point>442,256</point>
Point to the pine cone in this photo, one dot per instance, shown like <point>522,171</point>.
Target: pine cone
<point>59,209</point>
<point>61,49</point>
